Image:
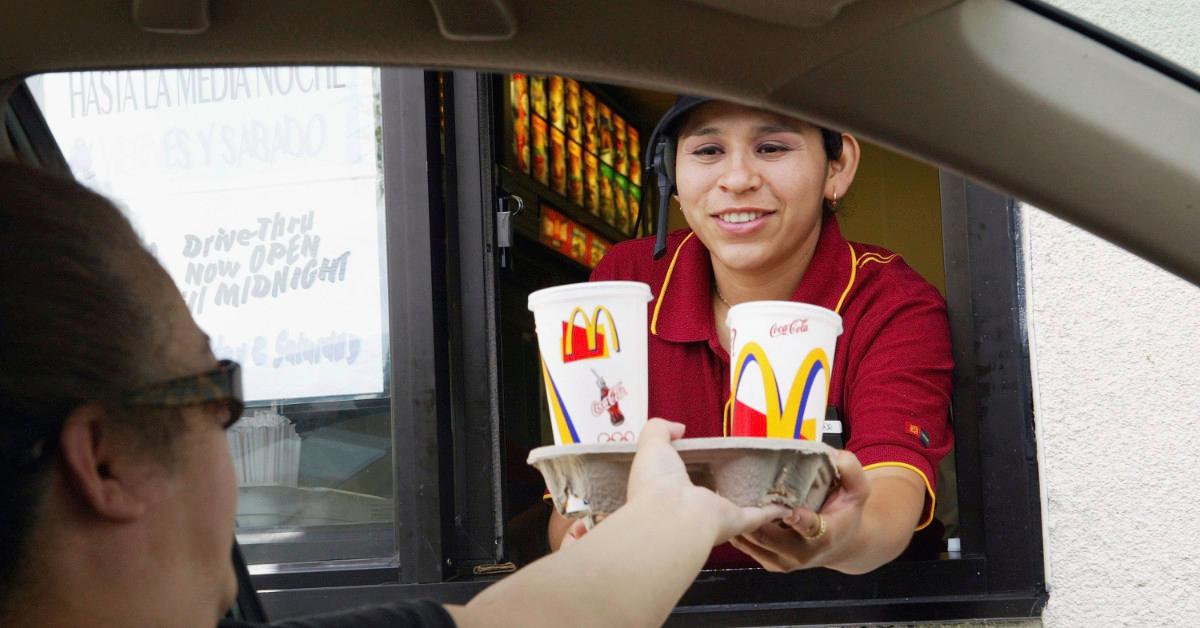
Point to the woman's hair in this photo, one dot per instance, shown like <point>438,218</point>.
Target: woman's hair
<point>80,321</point>
<point>832,142</point>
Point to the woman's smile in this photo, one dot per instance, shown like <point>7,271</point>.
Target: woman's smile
<point>742,220</point>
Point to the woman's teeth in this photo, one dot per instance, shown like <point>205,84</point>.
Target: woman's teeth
<point>739,217</point>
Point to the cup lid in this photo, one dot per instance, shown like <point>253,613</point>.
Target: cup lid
<point>590,290</point>
<point>785,309</point>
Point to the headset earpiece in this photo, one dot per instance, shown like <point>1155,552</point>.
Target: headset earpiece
<point>664,174</point>
<point>670,144</point>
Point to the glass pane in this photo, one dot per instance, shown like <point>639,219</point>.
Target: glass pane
<point>261,192</point>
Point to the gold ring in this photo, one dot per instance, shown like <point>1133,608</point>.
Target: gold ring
<point>821,529</point>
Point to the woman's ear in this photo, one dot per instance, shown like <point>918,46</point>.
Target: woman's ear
<point>840,172</point>
<point>110,477</point>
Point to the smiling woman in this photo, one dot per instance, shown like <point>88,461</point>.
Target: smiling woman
<point>758,191</point>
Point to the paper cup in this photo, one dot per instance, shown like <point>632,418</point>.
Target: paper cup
<point>782,359</point>
<point>592,339</point>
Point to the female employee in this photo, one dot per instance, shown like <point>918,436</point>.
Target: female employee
<point>759,192</point>
<point>118,492</point>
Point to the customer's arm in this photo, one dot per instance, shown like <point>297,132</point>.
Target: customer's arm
<point>633,569</point>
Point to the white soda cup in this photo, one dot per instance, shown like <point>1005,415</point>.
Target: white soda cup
<point>592,340</point>
<point>781,356</point>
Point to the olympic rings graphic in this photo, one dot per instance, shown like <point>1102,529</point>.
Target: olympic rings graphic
<point>615,437</point>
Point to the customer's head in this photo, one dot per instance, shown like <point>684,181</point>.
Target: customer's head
<point>101,483</point>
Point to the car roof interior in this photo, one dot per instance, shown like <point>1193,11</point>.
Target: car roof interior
<point>999,91</point>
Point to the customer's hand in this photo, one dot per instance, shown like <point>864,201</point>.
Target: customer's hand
<point>659,477</point>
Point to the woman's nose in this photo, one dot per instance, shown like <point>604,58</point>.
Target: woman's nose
<point>740,174</point>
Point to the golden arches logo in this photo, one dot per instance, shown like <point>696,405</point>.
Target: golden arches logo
<point>592,335</point>
<point>783,419</point>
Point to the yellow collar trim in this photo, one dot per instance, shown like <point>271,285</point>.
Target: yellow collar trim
<point>849,284</point>
<point>666,281</point>
<point>876,257</point>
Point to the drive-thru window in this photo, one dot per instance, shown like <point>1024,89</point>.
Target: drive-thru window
<point>364,241</point>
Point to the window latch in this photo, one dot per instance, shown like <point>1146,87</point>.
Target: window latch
<point>504,232</point>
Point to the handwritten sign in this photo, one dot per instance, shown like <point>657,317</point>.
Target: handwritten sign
<point>259,190</point>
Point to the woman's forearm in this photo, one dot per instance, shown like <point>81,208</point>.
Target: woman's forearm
<point>888,519</point>
<point>628,572</point>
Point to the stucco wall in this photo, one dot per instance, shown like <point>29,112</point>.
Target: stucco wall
<point>1118,403</point>
<point>1116,346</point>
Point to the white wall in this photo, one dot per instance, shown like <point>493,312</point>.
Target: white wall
<point>1116,357</point>
<point>1117,402</point>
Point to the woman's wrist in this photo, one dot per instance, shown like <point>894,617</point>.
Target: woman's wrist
<point>693,507</point>
<point>847,557</point>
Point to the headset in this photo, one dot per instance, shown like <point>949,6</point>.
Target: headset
<point>663,165</point>
<point>662,149</point>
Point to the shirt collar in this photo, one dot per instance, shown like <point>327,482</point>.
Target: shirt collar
<point>684,307</point>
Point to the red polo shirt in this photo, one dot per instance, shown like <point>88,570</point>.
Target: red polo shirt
<point>891,368</point>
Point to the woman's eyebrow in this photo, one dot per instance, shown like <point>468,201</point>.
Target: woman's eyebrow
<point>776,128</point>
<point>708,130</point>
<point>763,129</point>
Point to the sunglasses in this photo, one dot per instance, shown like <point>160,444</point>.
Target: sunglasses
<point>222,385</point>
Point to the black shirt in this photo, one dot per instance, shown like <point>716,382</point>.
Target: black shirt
<point>418,614</point>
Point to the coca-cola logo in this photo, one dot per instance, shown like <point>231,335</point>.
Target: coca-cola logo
<point>797,326</point>
<point>609,397</point>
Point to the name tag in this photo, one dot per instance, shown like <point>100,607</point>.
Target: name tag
<point>831,428</point>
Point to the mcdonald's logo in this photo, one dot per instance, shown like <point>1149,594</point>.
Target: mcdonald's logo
<point>591,340</point>
<point>779,419</point>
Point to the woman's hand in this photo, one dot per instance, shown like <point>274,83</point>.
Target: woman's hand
<point>574,532</point>
<point>867,521</point>
<point>798,542</point>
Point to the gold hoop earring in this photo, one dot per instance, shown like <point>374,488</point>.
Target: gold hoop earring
<point>834,202</point>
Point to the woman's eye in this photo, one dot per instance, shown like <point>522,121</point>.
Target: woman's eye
<point>706,151</point>
<point>773,149</point>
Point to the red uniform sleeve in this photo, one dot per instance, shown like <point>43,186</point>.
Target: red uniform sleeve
<point>898,388</point>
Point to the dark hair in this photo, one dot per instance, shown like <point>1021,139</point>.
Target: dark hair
<point>78,322</point>
<point>832,141</point>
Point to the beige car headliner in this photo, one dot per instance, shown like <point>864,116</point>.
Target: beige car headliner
<point>981,87</point>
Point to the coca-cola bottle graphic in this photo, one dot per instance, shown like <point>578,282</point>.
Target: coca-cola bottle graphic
<point>614,409</point>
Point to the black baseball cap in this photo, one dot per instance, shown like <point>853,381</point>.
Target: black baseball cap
<point>668,124</point>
